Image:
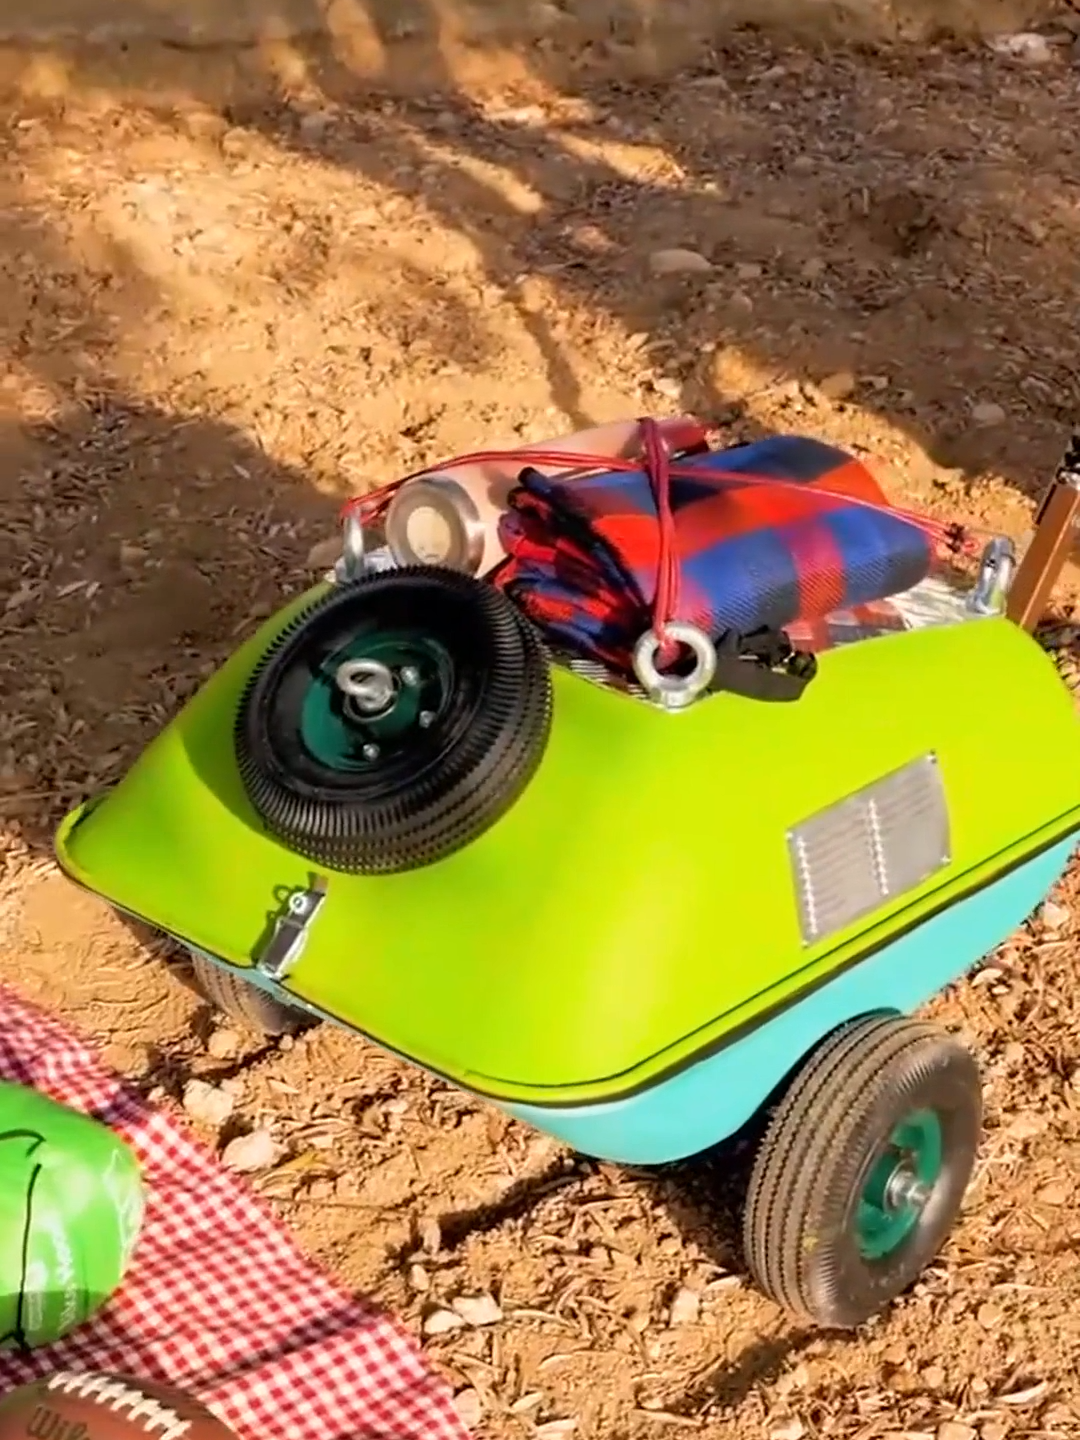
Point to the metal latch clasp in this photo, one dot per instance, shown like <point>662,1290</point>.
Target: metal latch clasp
<point>290,933</point>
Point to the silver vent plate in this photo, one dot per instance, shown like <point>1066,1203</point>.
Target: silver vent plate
<point>869,848</point>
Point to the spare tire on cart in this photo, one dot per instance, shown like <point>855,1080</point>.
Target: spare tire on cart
<point>394,721</point>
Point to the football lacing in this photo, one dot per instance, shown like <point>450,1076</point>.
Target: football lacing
<point>156,1418</point>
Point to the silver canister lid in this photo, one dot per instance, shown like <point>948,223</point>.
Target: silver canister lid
<point>433,520</point>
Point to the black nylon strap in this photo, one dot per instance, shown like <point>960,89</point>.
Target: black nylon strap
<point>763,665</point>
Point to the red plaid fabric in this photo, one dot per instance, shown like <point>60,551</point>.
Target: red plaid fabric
<point>219,1301</point>
<point>783,530</point>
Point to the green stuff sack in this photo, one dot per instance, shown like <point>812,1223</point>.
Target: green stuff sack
<point>71,1206</point>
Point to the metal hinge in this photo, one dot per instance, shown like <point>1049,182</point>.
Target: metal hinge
<point>290,933</point>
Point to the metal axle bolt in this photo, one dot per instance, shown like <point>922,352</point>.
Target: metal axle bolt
<point>905,1188</point>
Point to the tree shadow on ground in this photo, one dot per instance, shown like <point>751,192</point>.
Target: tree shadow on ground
<point>908,215</point>
<point>849,225</point>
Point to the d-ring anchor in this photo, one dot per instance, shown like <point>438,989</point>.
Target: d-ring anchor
<point>352,563</point>
<point>675,692</point>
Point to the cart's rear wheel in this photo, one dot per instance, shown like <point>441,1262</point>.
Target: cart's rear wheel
<point>246,1003</point>
<point>863,1169</point>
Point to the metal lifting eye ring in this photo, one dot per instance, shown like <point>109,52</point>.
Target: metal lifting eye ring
<point>675,692</point>
<point>371,687</point>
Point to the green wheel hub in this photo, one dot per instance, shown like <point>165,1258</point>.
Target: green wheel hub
<point>900,1182</point>
<point>369,696</point>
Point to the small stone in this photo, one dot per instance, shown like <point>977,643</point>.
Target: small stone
<point>933,1377</point>
<point>207,1104</point>
<point>994,1430</point>
<point>470,1408</point>
<point>989,1315</point>
<point>956,1430</point>
<point>988,413</point>
<point>324,553</point>
<point>678,262</point>
<point>1057,1192</point>
<point>1025,1127</point>
<point>792,1429</point>
<point>235,142</point>
<point>203,124</point>
<point>667,385</point>
<point>1028,47</point>
<point>419,1278</point>
<point>314,127</point>
<point>1053,917</point>
<point>223,1044</point>
<point>749,270</point>
<point>132,554</point>
<point>321,1190</point>
<point>441,1322</point>
<point>555,1429</point>
<point>803,165</point>
<point>1037,231</point>
<point>478,1309</point>
<point>839,386</point>
<point>430,1235</point>
<point>685,1308</point>
<point>740,303</point>
<point>813,269</point>
<point>251,1152</point>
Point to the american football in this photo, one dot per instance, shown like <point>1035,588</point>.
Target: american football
<point>69,1405</point>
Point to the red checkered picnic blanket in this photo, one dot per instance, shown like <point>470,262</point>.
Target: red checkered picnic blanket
<point>219,1301</point>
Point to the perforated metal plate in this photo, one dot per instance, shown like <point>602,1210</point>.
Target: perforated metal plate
<point>869,848</point>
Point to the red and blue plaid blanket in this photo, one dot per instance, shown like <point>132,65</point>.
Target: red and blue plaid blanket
<point>781,531</point>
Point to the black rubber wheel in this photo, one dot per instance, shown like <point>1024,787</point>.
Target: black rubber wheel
<point>445,725</point>
<point>246,1003</point>
<point>862,1169</point>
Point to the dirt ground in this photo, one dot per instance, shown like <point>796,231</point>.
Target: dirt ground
<point>214,325</point>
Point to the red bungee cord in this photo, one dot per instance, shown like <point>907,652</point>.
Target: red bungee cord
<point>657,465</point>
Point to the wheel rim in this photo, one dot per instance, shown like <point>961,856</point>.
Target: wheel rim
<point>370,697</point>
<point>901,1181</point>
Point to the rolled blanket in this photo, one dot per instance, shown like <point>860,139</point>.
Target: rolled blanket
<point>757,542</point>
